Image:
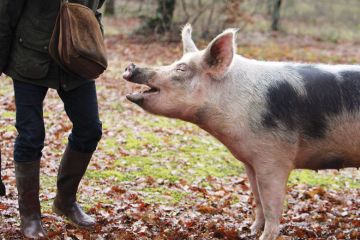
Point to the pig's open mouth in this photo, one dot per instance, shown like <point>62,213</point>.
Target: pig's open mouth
<point>139,97</point>
<point>134,75</point>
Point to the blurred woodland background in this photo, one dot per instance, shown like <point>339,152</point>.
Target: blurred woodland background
<point>327,20</point>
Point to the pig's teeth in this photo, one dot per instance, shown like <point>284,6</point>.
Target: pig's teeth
<point>151,90</point>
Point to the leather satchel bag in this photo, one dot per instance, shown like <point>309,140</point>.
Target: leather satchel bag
<point>77,43</point>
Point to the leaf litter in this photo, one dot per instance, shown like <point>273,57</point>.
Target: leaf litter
<point>130,201</point>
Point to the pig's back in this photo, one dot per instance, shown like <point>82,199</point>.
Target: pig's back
<point>322,108</point>
<point>323,95</point>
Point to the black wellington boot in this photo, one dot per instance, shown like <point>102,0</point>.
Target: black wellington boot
<point>72,168</point>
<point>27,183</point>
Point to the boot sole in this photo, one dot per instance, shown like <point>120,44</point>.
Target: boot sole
<point>61,214</point>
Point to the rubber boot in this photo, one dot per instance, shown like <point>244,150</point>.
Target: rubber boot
<point>72,168</point>
<point>27,183</point>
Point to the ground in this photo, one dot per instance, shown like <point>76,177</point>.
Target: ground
<point>158,178</point>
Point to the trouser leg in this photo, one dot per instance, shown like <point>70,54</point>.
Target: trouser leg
<point>29,121</point>
<point>82,109</point>
<point>27,153</point>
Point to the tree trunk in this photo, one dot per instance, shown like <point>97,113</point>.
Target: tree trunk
<point>110,7</point>
<point>162,21</point>
<point>276,15</point>
<point>166,10</point>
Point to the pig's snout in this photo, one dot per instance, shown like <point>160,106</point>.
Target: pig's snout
<point>137,74</point>
<point>129,72</point>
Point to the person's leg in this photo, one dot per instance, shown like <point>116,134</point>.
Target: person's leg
<point>82,108</point>
<point>27,153</point>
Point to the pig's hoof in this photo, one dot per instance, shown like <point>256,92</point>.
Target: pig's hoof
<point>268,237</point>
<point>257,227</point>
<point>270,234</point>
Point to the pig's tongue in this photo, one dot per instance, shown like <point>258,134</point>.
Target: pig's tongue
<point>135,97</point>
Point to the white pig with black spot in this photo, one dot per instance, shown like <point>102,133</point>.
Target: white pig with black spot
<point>272,116</point>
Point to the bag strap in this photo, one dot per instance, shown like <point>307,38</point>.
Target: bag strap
<point>62,2</point>
<point>93,5</point>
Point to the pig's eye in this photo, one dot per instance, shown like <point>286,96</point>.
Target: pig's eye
<point>181,68</point>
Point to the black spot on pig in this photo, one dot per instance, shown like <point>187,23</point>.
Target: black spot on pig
<point>350,87</point>
<point>282,100</point>
<point>269,121</point>
<point>326,162</point>
<point>325,96</point>
<point>323,91</point>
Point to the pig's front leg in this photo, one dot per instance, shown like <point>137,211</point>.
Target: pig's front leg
<point>271,177</point>
<point>259,222</point>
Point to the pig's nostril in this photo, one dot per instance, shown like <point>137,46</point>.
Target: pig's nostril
<point>130,68</point>
<point>129,71</point>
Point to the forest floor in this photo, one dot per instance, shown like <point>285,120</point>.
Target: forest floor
<point>159,178</point>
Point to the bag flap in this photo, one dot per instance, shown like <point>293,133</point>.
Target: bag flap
<point>66,49</point>
<point>54,42</point>
<point>85,33</point>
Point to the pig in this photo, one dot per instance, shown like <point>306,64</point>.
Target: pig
<point>272,116</point>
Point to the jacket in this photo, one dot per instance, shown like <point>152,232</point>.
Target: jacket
<point>26,27</point>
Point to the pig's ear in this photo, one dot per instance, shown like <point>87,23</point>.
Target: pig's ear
<point>219,54</point>
<point>188,43</point>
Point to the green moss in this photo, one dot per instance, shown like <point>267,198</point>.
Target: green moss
<point>96,174</point>
<point>149,167</point>
<point>47,114</point>
<point>134,161</point>
<point>151,138</point>
<point>158,173</point>
<point>8,128</point>
<point>8,114</point>
<point>48,183</point>
<point>133,143</point>
<point>324,179</point>
<point>142,139</point>
<point>196,155</point>
<point>160,195</point>
<point>110,145</point>
<point>163,122</point>
<point>116,106</point>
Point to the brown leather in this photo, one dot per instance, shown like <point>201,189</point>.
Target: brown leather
<point>77,42</point>
<point>27,183</point>
<point>72,168</point>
